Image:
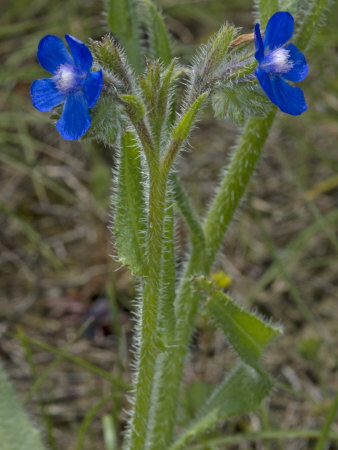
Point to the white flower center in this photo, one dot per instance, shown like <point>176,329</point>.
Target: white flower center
<point>277,61</point>
<point>67,79</point>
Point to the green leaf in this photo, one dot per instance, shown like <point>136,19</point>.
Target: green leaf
<point>157,94</point>
<point>213,54</point>
<point>247,333</point>
<point>112,58</point>
<point>130,209</point>
<point>123,21</point>
<point>181,130</point>
<point>266,8</point>
<point>241,392</point>
<point>16,430</point>
<point>158,35</point>
<point>135,106</point>
<point>106,120</point>
<point>239,101</point>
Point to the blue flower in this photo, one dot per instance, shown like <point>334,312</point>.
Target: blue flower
<point>278,61</point>
<point>72,84</point>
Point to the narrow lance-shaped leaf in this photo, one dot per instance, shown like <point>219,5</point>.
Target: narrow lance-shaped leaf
<point>215,51</point>
<point>16,430</point>
<point>181,131</point>
<point>123,21</point>
<point>247,333</point>
<point>158,35</point>
<point>241,392</point>
<point>129,221</point>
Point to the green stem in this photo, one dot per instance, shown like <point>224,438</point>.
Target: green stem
<point>235,181</point>
<point>227,200</point>
<point>187,210</point>
<point>168,276</point>
<point>148,339</point>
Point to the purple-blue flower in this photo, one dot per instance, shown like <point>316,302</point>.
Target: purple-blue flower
<point>72,84</point>
<point>278,62</point>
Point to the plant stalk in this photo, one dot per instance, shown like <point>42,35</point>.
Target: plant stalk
<point>148,337</point>
<point>227,200</point>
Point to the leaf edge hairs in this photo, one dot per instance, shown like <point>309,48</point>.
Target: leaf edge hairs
<point>279,61</point>
<point>72,84</point>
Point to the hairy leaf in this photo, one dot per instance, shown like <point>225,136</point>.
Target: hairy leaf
<point>157,92</point>
<point>247,333</point>
<point>123,21</point>
<point>239,101</point>
<point>158,35</point>
<point>181,131</point>
<point>129,221</point>
<point>242,391</point>
<point>135,105</point>
<point>112,58</point>
<point>106,120</point>
<point>16,430</point>
<point>213,54</point>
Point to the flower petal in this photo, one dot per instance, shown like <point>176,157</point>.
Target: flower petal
<point>52,53</point>
<point>75,119</point>
<point>289,99</point>
<point>82,57</point>
<point>278,30</point>
<point>259,55</point>
<point>266,83</point>
<point>300,68</point>
<point>92,87</point>
<point>45,95</point>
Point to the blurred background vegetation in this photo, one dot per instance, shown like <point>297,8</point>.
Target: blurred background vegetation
<point>65,321</point>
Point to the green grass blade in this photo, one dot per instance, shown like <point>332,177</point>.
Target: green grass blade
<point>219,442</point>
<point>78,361</point>
<point>324,434</point>
<point>88,420</point>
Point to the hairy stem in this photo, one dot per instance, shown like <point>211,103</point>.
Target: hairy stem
<point>148,339</point>
<point>235,181</point>
<point>221,212</point>
<point>187,210</point>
